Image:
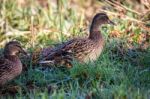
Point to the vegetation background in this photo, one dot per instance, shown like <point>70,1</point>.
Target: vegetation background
<point>121,72</point>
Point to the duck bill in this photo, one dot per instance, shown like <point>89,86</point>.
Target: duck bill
<point>24,52</point>
<point>111,22</point>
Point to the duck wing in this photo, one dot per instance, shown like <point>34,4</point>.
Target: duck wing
<point>76,48</point>
<point>5,65</point>
<point>58,53</point>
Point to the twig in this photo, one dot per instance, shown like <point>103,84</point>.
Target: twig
<point>126,17</point>
<point>144,27</point>
<point>140,23</point>
<point>114,3</point>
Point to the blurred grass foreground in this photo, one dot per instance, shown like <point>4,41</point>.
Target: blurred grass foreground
<point>121,72</point>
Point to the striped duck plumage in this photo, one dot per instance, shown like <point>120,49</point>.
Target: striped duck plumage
<point>80,49</point>
<point>10,64</point>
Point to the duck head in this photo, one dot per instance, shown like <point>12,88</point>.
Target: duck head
<point>100,19</point>
<point>13,48</point>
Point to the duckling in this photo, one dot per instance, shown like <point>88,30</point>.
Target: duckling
<point>83,50</point>
<point>10,64</point>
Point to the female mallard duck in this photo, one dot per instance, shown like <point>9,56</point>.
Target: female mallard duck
<point>80,49</point>
<point>10,64</point>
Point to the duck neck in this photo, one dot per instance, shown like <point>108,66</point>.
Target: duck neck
<point>95,33</point>
<point>13,58</point>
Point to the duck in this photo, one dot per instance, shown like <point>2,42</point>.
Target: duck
<point>83,50</point>
<point>10,64</point>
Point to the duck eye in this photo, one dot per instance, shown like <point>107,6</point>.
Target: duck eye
<point>18,46</point>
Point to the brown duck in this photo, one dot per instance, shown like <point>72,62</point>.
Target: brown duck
<point>10,64</point>
<point>80,49</point>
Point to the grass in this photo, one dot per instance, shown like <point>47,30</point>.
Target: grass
<point>121,72</point>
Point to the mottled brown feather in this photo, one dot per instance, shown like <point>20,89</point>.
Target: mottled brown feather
<point>10,64</point>
<point>80,49</point>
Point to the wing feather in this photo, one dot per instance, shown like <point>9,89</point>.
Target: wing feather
<point>5,65</point>
<point>73,47</point>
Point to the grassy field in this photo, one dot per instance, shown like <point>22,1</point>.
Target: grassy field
<point>121,72</point>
